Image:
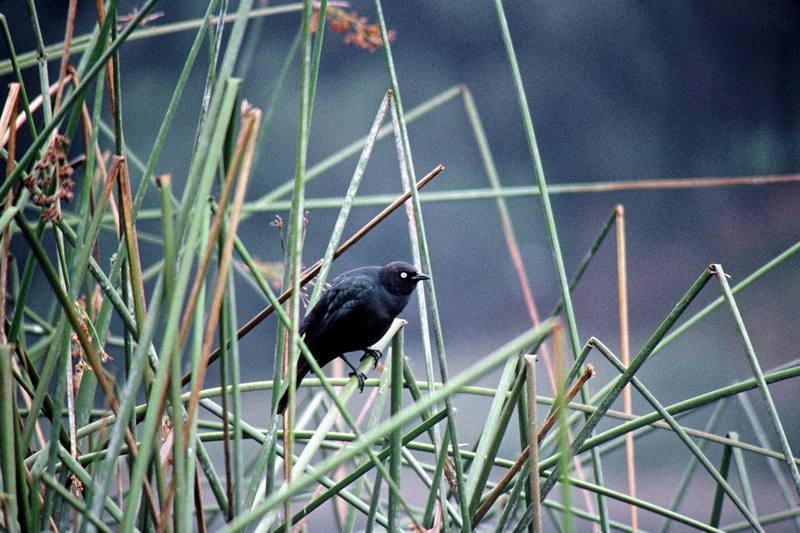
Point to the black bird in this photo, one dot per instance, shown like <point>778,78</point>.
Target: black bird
<point>354,313</point>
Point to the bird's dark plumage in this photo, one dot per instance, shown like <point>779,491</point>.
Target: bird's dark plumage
<point>355,312</point>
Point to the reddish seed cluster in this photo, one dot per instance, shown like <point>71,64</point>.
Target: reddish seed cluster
<point>357,31</point>
<point>55,161</point>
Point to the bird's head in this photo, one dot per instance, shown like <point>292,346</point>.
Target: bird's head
<point>400,278</point>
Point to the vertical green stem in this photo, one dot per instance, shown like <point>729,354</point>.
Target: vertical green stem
<point>741,471</point>
<point>719,494</point>
<point>7,422</point>
<point>421,249</point>
<point>533,443</point>
<point>296,241</point>
<point>555,247</point>
<point>396,404</point>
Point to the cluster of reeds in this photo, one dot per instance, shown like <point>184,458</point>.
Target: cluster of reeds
<point>79,450</point>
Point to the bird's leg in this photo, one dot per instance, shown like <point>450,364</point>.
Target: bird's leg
<point>375,354</point>
<point>360,376</point>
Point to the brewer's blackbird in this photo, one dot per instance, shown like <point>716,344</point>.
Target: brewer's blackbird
<point>354,313</point>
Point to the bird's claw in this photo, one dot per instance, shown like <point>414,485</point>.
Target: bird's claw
<point>375,354</point>
<point>361,377</point>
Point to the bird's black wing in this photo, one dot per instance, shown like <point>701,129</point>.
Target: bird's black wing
<point>347,303</point>
<point>347,291</point>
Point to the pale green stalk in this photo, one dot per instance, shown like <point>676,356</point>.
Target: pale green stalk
<point>741,471</point>
<point>421,254</point>
<point>755,367</point>
<point>761,436</point>
<point>252,432</point>
<point>294,259</point>
<point>7,459</point>
<point>489,432</point>
<point>395,438</point>
<point>533,444</point>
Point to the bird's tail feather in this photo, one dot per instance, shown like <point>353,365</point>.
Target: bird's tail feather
<point>302,370</point>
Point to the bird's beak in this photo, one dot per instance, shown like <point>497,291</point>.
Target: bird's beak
<point>419,276</point>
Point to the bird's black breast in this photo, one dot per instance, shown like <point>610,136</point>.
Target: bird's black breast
<point>354,313</point>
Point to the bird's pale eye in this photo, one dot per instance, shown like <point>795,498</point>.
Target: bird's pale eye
<point>404,275</point>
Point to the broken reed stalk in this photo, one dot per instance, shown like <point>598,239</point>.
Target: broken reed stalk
<point>311,273</point>
<point>588,372</point>
<point>68,32</point>
<point>533,444</point>
<point>34,105</point>
<point>9,116</point>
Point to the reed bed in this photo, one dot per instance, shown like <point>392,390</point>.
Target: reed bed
<point>85,449</point>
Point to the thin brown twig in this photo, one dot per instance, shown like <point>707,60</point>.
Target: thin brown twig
<point>131,243</point>
<point>9,116</point>
<point>117,164</point>
<point>198,501</point>
<point>588,372</point>
<point>132,246</point>
<point>309,274</point>
<point>101,19</point>
<point>68,32</point>
<point>684,183</point>
<point>103,176</point>
<point>34,105</point>
<point>622,292</point>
